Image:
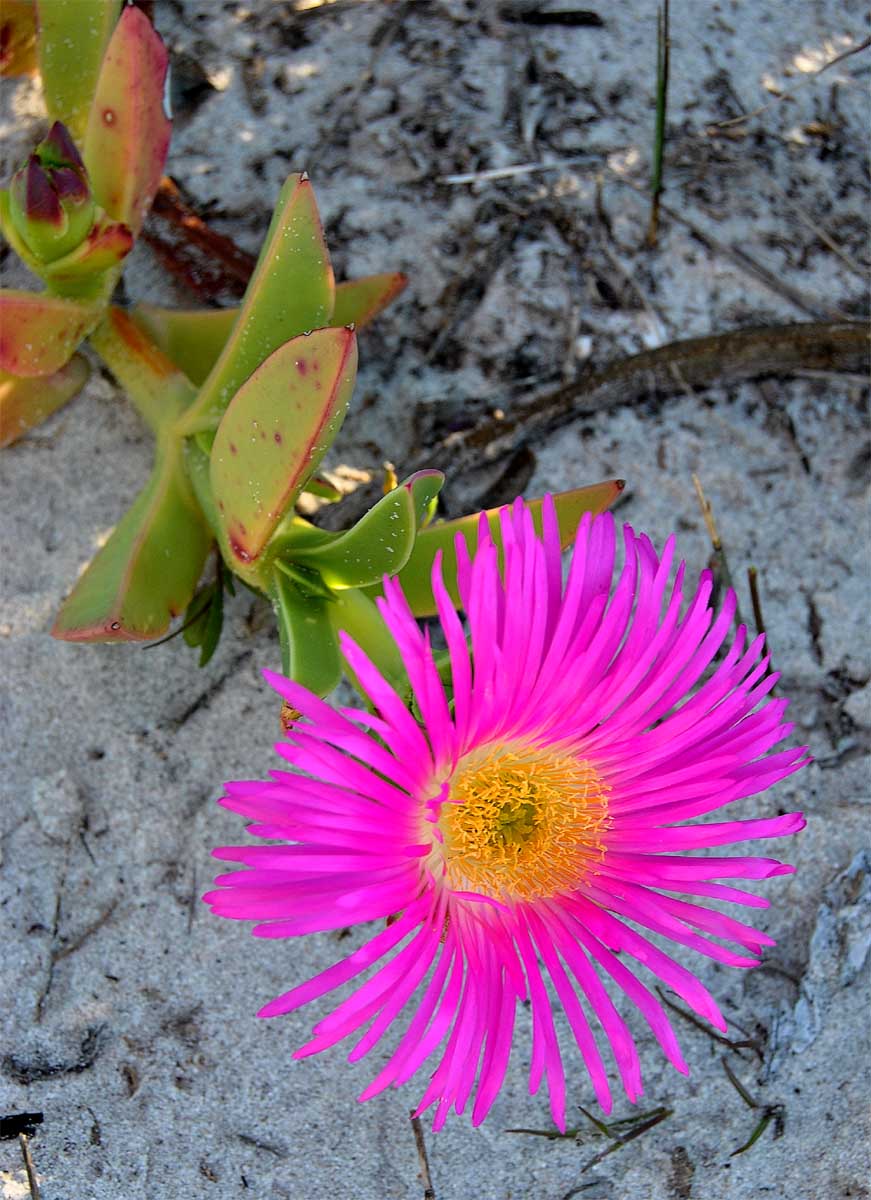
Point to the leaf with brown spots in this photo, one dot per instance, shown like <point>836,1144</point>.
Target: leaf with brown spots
<point>275,432</point>
<point>291,291</point>
<point>39,333</point>
<point>128,131</point>
<point>194,337</point>
<point>73,35</point>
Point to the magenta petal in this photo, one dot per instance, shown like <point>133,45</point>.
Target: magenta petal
<point>669,713</point>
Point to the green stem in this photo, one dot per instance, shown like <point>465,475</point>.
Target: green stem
<point>663,46</point>
<point>159,391</point>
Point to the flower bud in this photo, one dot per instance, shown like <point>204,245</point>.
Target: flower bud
<point>50,201</point>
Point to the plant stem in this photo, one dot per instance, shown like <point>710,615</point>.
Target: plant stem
<point>662,57</point>
<point>158,390</point>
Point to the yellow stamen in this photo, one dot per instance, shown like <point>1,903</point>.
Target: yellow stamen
<point>522,823</point>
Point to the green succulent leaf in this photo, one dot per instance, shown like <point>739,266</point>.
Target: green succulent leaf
<point>160,392</point>
<point>290,292</point>
<point>146,572</point>
<point>307,579</point>
<point>72,39</point>
<point>295,533</point>
<point>13,237</point>
<point>381,541</point>
<point>40,332</point>
<point>273,435</point>
<point>195,617</point>
<point>192,338</point>
<point>424,487</point>
<point>26,403</point>
<point>359,301</point>
<point>309,647</point>
<point>128,130</point>
<point>416,574</point>
<point>198,465</point>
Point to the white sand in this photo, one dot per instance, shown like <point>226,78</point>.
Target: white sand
<point>115,755</point>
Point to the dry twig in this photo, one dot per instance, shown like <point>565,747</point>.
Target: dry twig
<point>848,53</point>
<point>24,1143</point>
<point>723,359</point>
<point>426,1178</point>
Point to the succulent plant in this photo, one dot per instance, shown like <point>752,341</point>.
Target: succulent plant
<point>243,403</point>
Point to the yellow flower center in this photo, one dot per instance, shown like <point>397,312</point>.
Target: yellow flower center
<point>522,823</point>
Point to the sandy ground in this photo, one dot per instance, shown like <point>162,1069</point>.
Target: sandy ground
<point>127,1011</point>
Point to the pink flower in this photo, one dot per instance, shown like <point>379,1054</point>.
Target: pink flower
<point>509,837</point>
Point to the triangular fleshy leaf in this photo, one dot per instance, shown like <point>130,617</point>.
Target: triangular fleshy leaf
<point>415,575</point>
<point>275,432</point>
<point>290,293</point>
<point>26,403</point>
<point>359,301</point>
<point>73,36</point>
<point>128,129</point>
<point>145,574</point>
<point>39,333</point>
<point>381,541</point>
<point>194,337</point>
<point>160,392</point>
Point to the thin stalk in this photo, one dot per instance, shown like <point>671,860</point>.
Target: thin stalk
<point>719,563</point>
<point>663,46</point>
<point>28,1166</point>
<point>426,1178</point>
<point>158,390</point>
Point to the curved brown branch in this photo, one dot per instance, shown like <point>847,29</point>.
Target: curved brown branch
<point>840,347</point>
<point>720,358</point>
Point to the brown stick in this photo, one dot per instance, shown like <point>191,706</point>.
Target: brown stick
<point>851,50</point>
<point>720,358</point>
<point>209,264</point>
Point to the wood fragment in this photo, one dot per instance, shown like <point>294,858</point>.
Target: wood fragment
<point>782,351</point>
<point>207,263</point>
